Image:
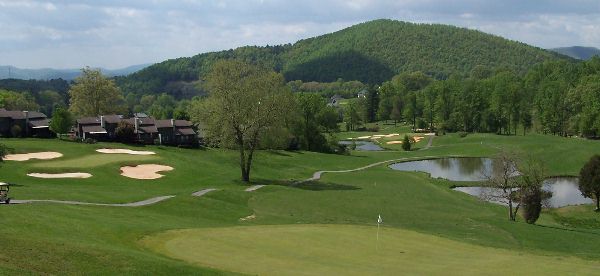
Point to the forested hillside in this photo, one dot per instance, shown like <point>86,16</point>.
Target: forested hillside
<point>370,52</point>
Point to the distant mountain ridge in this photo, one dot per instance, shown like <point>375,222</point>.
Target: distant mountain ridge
<point>370,52</point>
<point>8,71</point>
<point>578,52</point>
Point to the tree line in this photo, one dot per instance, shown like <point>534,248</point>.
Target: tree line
<point>554,97</point>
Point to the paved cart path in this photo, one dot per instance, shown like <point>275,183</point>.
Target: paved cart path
<point>146,202</point>
<point>203,192</point>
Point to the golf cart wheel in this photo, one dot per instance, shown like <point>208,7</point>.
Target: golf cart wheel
<point>7,201</point>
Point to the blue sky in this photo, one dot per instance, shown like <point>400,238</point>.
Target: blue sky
<point>113,34</point>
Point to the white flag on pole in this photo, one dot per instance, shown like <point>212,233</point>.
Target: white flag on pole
<point>379,220</point>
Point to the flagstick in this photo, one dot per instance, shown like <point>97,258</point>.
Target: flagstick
<point>377,243</point>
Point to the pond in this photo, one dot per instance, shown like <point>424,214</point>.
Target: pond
<point>363,145</point>
<point>564,190</point>
<point>453,169</point>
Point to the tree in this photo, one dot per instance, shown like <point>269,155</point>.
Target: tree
<point>3,151</point>
<point>504,182</point>
<point>244,101</point>
<point>93,94</point>
<point>62,120</point>
<point>49,101</point>
<point>406,143</point>
<point>125,132</point>
<point>530,189</point>
<point>589,180</point>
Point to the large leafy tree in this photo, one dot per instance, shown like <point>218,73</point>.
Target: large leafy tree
<point>244,102</point>
<point>93,94</point>
<point>62,120</point>
<point>589,180</point>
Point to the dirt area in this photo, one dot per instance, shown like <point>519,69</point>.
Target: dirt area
<point>60,175</point>
<point>34,155</point>
<point>146,171</point>
<point>125,151</point>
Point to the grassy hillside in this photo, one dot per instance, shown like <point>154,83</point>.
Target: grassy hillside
<point>370,52</point>
<point>423,217</point>
<point>578,52</point>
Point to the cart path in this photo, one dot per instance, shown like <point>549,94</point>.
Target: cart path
<point>146,202</point>
<point>317,175</point>
<point>254,188</point>
<point>203,192</point>
<point>429,143</point>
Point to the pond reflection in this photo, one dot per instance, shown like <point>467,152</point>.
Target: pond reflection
<point>565,192</point>
<point>454,169</point>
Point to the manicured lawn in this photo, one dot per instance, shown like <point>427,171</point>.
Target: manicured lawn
<point>64,239</point>
<point>350,250</point>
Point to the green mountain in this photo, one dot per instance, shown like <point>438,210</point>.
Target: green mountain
<point>370,52</point>
<point>578,52</point>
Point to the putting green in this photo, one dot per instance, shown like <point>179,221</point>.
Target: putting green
<point>350,250</point>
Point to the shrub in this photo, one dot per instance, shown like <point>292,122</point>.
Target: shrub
<point>531,200</point>
<point>16,131</point>
<point>90,141</point>
<point>462,134</point>
<point>373,129</point>
<point>406,143</point>
<point>125,132</point>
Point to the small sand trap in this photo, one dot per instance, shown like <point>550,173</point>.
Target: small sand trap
<point>418,138</point>
<point>34,155</point>
<point>125,151</point>
<point>146,171</point>
<point>394,142</point>
<point>364,137</point>
<point>250,217</point>
<point>60,175</point>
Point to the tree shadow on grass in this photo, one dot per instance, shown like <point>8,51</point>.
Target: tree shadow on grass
<point>324,186</point>
<point>310,185</point>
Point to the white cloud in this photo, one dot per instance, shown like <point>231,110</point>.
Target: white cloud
<point>113,33</point>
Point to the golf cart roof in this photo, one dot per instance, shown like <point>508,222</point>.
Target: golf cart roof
<point>4,184</point>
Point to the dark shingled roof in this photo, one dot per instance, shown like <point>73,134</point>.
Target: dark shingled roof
<point>147,129</point>
<point>88,121</point>
<point>112,119</point>
<point>20,115</point>
<point>43,123</point>
<point>163,123</point>
<point>95,128</point>
<point>185,131</point>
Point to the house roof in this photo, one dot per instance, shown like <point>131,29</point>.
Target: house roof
<point>112,119</point>
<point>20,115</point>
<point>88,120</point>
<point>178,123</point>
<point>147,129</point>
<point>93,129</point>
<point>40,123</point>
<point>185,131</point>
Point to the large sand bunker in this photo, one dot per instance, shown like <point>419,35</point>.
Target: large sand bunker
<point>126,151</point>
<point>146,171</point>
<point>34,155</point>
<point>60,175</point>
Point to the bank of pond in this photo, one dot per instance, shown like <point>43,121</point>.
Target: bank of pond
<point>565,190</point>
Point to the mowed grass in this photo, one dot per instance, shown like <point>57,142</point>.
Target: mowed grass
<point>61,239</point>
<point>350,250</point>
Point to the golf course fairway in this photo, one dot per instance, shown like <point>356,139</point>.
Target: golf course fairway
<point>350,250</point>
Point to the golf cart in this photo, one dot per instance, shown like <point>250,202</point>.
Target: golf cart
<point>4,187</point>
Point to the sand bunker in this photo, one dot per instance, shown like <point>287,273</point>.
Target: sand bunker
<point>126,151</point>
<point>146,171</point>
<point>34,155</point>
<point>418,138</point>
<point>394,142</point>
<point>60,175</point>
